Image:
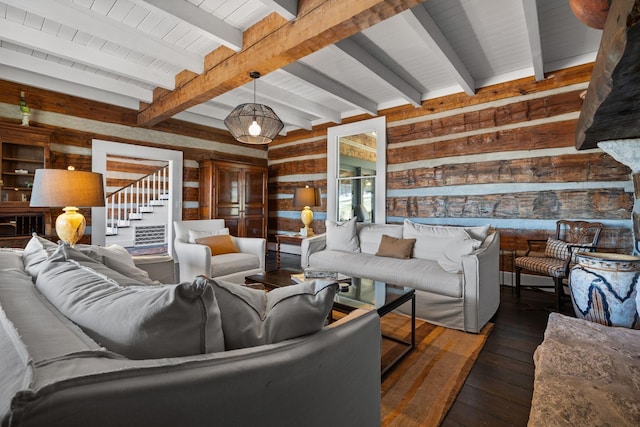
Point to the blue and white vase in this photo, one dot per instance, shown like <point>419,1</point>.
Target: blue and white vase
<point>604,288</point>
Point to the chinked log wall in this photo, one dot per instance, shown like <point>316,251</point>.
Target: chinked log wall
<point>504,156</point>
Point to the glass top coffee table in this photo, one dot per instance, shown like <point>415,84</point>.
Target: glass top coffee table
<point>361,293</point>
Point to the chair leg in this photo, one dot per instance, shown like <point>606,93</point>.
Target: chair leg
<point>559,292</point>
<point>518,270</point>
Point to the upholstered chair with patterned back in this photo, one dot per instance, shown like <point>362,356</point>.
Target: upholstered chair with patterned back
<point>555,256</point>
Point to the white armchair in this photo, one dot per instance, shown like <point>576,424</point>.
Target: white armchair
<point>195,259</point>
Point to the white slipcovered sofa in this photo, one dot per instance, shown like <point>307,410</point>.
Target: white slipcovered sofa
<point>195,259</point>
<point>454,270</point>
<point>59,372</point>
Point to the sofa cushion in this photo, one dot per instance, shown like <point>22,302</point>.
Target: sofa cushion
<point>342,236</point>
<point>370,235</point>
<point>252,317</point>
<point>432,240</point>
<point>11,259</point>
<point>425,275</point>
<point>139,322</point>
<point>219,245</point>
<point>451,258</point>
<point>222,265</point>
<point>117,258</point>
<point>395,248</point>
<point>35,253</point>
<point>199,234</point>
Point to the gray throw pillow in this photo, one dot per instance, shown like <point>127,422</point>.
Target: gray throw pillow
<point>252,317</point>
<point>35,253</point>
<point>139,322</point>
<point>342,236</point>
<point>117,258</point>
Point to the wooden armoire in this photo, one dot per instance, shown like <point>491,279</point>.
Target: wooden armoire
<point>237,193</point>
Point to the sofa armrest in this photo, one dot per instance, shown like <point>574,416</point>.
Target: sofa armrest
<point>311,245</point>
<point>194,260</point>
<point>252,245</point>
<point>481,283</point>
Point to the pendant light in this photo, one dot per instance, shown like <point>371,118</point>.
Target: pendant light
<point>253,123</point>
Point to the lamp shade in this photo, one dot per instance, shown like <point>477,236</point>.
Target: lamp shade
<point>61,187</point>
<point>240,122</point>
<point>306,196</point>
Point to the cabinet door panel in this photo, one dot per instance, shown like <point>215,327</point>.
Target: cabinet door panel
<point>228,181</point>
<point>254,227</point>
<point>254,188</point>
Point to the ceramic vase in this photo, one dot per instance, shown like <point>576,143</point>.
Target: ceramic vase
<point>604,287</point>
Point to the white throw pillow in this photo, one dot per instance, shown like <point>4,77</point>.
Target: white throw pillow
<point>432,240</point>
<point>451,258</point>
<point>199,234</point>
<point>139,322</point>
<point>252,317</point>
<point>342,236</point>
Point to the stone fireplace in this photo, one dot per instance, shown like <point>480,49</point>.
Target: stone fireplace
<point>627,152</point>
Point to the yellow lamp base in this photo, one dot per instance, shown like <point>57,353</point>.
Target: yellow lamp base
<point>70,225</point>
<point>307,217</point>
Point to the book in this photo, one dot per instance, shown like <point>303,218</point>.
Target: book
<point>310,273</point>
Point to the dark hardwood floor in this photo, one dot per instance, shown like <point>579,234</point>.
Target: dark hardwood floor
<point>498,390</point>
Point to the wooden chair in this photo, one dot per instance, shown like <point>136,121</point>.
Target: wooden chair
<point>558,255</point>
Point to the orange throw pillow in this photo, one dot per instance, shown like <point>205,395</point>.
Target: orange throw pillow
<point>219,244</point>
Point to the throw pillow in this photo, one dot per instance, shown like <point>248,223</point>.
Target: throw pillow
<point>219,245</point>
<point>342,236</point>
<point>395,248</point>
<point>451,258</point>
<point>198,234</point>
<point>252,317</point>
<point>139,322</point>
<point>117,258</point>
<point>35,253</point>
<point>556,249</point>
<point>432,240</point>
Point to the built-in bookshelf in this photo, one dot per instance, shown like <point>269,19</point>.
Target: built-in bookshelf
<point>23,149</point>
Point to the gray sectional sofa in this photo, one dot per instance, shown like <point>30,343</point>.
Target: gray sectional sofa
<point>113,366</point>
<point>454,270</point>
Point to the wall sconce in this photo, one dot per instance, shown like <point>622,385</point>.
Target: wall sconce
<point>306,197</point>
<point>68,188</point>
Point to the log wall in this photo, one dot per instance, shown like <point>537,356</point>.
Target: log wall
<point>505,156</point>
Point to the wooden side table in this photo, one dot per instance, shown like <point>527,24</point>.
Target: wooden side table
<point>294,239</point>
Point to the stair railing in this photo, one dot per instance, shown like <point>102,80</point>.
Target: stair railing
<point>132,201</point>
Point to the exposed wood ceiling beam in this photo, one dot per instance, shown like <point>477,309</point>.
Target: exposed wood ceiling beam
<point>288,9</point>
<point>210,25</point>
<point>530,11</point>
<point>73,75</point>
<point>42,42</point>
<point>404,89</point>
<point>422,23</point>
<point>328,22</point>
<point>105,28</point>
<point>331,86</point>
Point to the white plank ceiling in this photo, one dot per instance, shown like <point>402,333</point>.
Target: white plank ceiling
<point>119,51</point>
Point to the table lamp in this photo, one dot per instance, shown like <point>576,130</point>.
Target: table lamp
<point>306,197</point>
<point>68,188</point>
